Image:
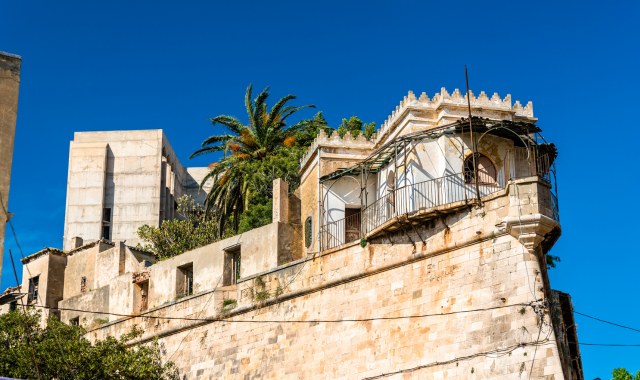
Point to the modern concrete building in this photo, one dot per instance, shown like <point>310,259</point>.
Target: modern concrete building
<point>9,86</point>
<point>417,254</point>
<point>120,180</point>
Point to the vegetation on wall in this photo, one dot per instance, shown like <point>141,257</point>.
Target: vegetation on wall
<point>59,351</point>
<point>191,230</point>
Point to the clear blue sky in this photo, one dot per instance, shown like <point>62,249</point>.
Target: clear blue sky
<point>138,65</point>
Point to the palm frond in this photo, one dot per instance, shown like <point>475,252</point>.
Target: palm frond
<point>275,110</point>
<point>232,123</point>
<point>205,150</point>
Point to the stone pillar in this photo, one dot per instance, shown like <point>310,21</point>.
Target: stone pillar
<point>280,201</point>
<point>9,85</point>
<point>77,242</point>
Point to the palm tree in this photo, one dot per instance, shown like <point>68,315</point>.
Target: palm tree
<point>265,132</point>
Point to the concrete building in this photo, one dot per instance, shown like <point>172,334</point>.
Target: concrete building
<point>120,180</point>
<point>417,254</point>
<point>9,86</point>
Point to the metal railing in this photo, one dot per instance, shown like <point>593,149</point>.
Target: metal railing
<point>430,194</point>
<point>405,200</point>
<point>341,231</point>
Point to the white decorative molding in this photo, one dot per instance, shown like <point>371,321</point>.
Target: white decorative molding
<point>439,101</point>
<point>443,99</point>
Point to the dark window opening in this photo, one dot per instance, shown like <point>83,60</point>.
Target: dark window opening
<point>184,284</point>
<point>106,215</point>
<point>13,305</point>
<point>232,260</point>
<point>106,223</point>
<point>106,233</point>
<point>74,321</point>
<point>83,284</point>
<point>34,284</point>
<point>308,232</point>
<point>487,174</point>
<point>141,296</point>
<point>351,224</point>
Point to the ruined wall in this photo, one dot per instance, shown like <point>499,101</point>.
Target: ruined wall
<point>9,86</point>
<point>469,286</point>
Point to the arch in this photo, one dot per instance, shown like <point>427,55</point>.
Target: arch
<point>487,173</point>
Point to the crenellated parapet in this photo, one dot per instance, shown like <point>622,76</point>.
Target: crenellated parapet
<point>444,100</point>
<point>333,140</point>
<point>441,108</point>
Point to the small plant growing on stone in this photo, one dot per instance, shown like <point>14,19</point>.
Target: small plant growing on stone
<point>260,282</point>
<point>229,303</point>
<point>279,291</point>
<point>262,295</point>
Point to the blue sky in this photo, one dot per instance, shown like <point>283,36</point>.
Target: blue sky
<point>139,65</point>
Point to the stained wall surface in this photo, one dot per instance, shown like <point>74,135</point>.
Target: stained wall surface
<point>121,180</point>
<point>458,304</point>
<point>9,86</point>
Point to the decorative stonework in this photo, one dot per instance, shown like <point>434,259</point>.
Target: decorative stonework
<point>138,277</point>
<point>438,102</point>
<point>334,140</point>
<point>455,99</point>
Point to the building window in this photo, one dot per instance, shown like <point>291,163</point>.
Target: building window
<point>351,224</point>
<point>184,281</point>
<point>106,223</point>
<point>83,284</point>
<point>308,232</point>
<point>74,321</point>
<point>232,259</point>
<point>487,173</point>
<point>141,296</point>
<point>34,284</point>
<point>13,305</point>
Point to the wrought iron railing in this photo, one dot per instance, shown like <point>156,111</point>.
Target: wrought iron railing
<point>405,200</point>
<point>430,194</point>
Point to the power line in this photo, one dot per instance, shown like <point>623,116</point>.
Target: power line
<point>500,351</point>
<point>38,296</point>
<point>370,319</point>
<point>603,321</point>
<point>609,344</point>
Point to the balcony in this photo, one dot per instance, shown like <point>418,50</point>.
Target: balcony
<point>439,195</point>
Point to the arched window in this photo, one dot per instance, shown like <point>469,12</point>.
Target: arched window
<point>487,174</point>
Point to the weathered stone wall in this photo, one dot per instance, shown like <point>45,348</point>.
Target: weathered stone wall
<point>9,86</point>
<point>469,288</point>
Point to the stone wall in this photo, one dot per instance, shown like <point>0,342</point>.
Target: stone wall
<point>9,86</point>
<point>458,304</point>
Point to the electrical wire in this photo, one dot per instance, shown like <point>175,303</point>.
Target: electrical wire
<point>609,344</point>
<point>39,297</point>
<point>201,311</point>
<point>370,319</point>
<point>607,322</point>
<point>500,351</point>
